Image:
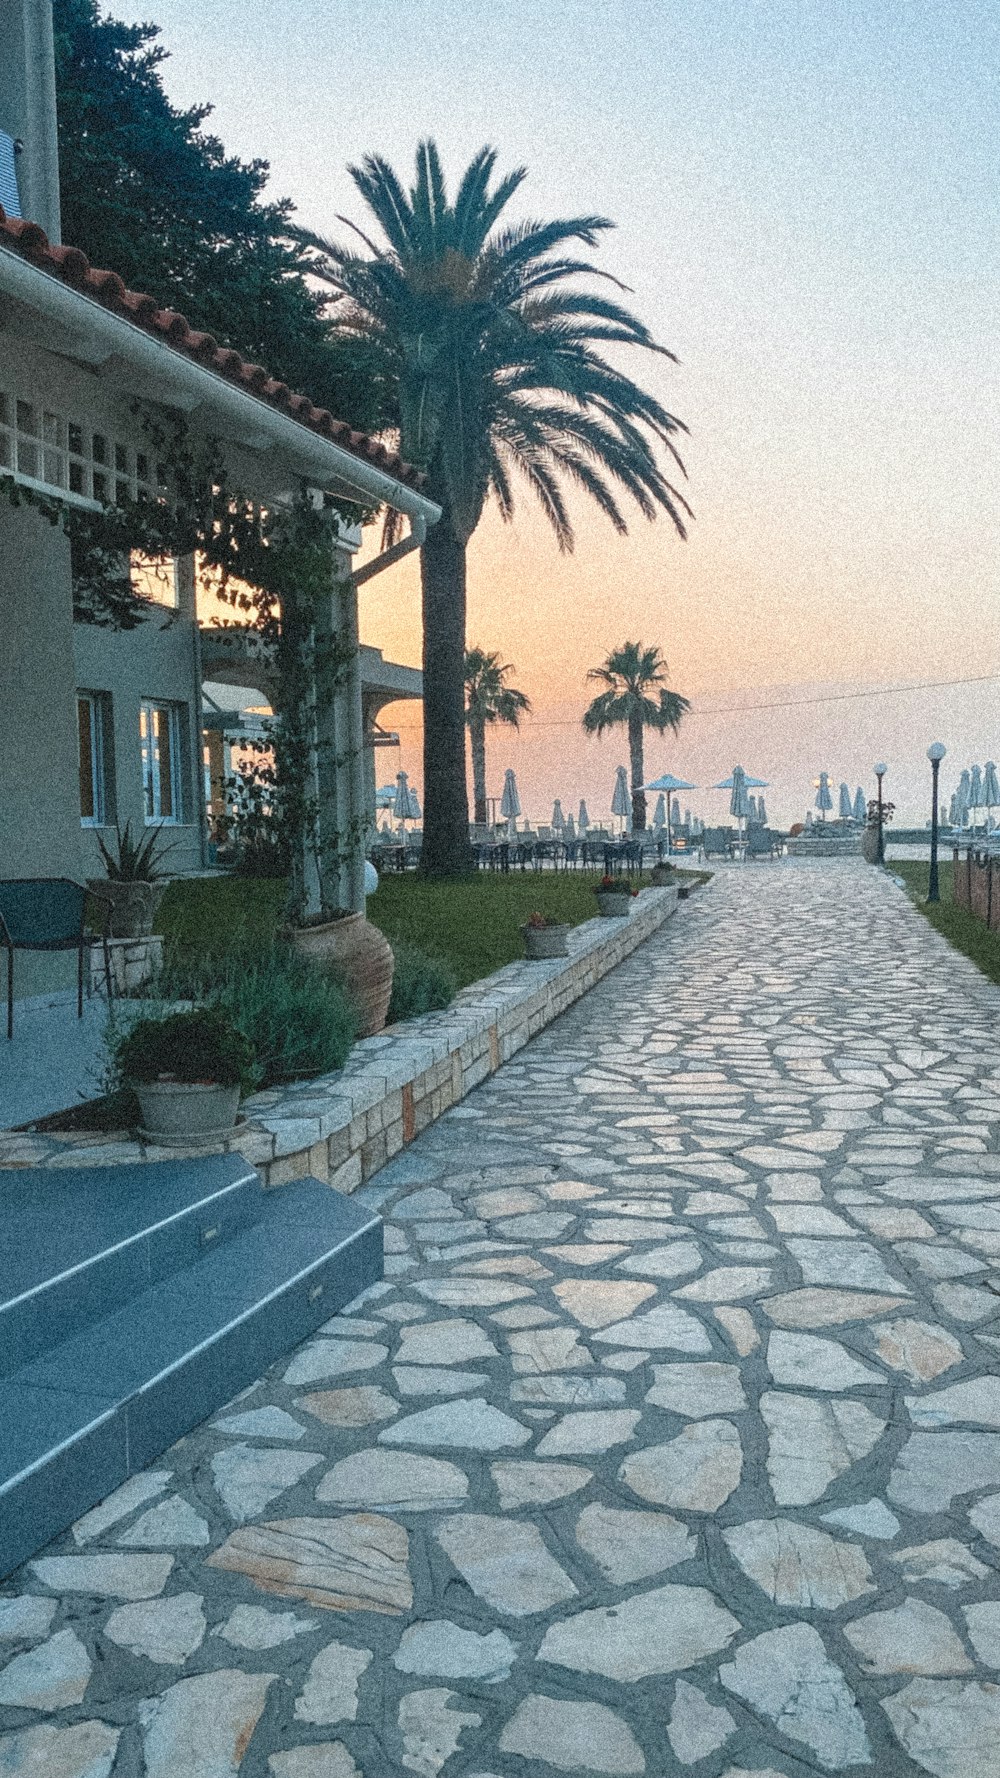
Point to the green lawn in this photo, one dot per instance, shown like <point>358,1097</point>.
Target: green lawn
<point>957,925</point>
<point>473,925</point>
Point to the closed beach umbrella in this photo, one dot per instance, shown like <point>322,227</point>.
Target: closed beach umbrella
<point>761,812</point>
<point>405,806</point>
<point>991,787</point>
<point>569,831</point>
<point>846,808</point>
<point>510,802</point>
<point>660,813</point>
<point>962,795</point>
<point>621,802</point>
<point>583,819</point>
<point>824,800</point>
<point>675,812</point>
<point>860,806</point>
<point>739,801</point>
<point>954,815</point>
<point>809,821</point>
<point>558,821</point>
<point>975,792</point>
<point>415,809</point>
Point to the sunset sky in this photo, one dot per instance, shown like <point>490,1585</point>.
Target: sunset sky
<point>805,194</point>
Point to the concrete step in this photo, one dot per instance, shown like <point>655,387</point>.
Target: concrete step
<point>92,1409</point>
<point>80,1240</point>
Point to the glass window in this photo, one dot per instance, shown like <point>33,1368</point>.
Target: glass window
<point>59,451</point>
<point>160,745</point>
<point>93,726</point>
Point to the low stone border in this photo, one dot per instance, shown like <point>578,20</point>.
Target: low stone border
<point>343,1127</point>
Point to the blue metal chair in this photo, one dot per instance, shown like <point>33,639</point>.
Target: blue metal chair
<point>48,914</point>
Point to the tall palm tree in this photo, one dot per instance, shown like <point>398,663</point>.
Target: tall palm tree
<point>488,699</point>
<point>491,355</point>
<point>635,697</point>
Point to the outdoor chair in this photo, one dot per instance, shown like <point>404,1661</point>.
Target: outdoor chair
<point>717,842</point>
<point>48,914</point>
<point>760,842</point>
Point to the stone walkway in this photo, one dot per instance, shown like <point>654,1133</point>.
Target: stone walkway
<point>671,1443</point>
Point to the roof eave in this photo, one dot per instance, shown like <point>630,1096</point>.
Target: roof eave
<point>189,385</point>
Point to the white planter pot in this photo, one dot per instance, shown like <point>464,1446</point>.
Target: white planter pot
<point>184,1114</point>
<point>613,906</point>
<point>541,942</point>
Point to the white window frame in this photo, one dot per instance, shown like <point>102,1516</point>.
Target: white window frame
<point>63,454</point>
<point>152,779</point>
<point>97,707</point>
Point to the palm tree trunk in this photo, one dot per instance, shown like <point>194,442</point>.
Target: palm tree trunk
<point>446,849</point>
<point>477,738</point>
<point>635,747</point>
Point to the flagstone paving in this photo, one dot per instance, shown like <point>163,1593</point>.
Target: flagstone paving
<point>671,1442</point>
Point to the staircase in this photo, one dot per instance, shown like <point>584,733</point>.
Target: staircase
<point>136,1300</point>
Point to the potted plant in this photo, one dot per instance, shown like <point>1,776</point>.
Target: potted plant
<point>663,874</point>
<point>358,953</point>
<point>188,1071</point>
<point>544,938</point>
<point>134,881</point>
<point>614,898</point>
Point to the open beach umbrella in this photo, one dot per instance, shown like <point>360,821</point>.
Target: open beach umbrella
<point>510,802</point>
<point>621,802</point>
<point>824,800</point>
<point>860,810</point>
<point>990,788</point>
<point>558,822</point>
<point>660,813</point>
<point>385,797</point>
<point>583,819</point>
<point>846,809</point>
<point>751,783</point>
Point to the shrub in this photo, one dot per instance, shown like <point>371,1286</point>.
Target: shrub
<point>420,983</point>
<point>296,1016</point>
<point>203,1045</point>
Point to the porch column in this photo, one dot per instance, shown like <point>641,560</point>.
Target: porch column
<point>340,799</point>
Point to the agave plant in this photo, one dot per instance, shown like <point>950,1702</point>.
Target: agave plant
<point>134,861</point>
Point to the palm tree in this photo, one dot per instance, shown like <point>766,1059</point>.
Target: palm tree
<point>488,699</point>
<point>491,356</point>
<point>635,697</point>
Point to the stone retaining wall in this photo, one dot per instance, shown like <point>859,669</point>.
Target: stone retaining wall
<point>343,1127</point>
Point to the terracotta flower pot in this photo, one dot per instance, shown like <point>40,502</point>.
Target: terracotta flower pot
<point>544,941</point>
<point>183,1113</point>
<point>362,956</point>
<point>614,904</point>
<point>133,905</point>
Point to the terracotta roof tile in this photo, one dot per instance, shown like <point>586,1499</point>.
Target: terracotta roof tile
<point>74,268</point>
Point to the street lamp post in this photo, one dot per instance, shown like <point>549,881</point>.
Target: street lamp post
<point>880,771</point>
<point>935,753</point>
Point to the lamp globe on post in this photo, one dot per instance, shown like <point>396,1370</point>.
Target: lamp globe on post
<point>935,753</point>
<point>880,771</point>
